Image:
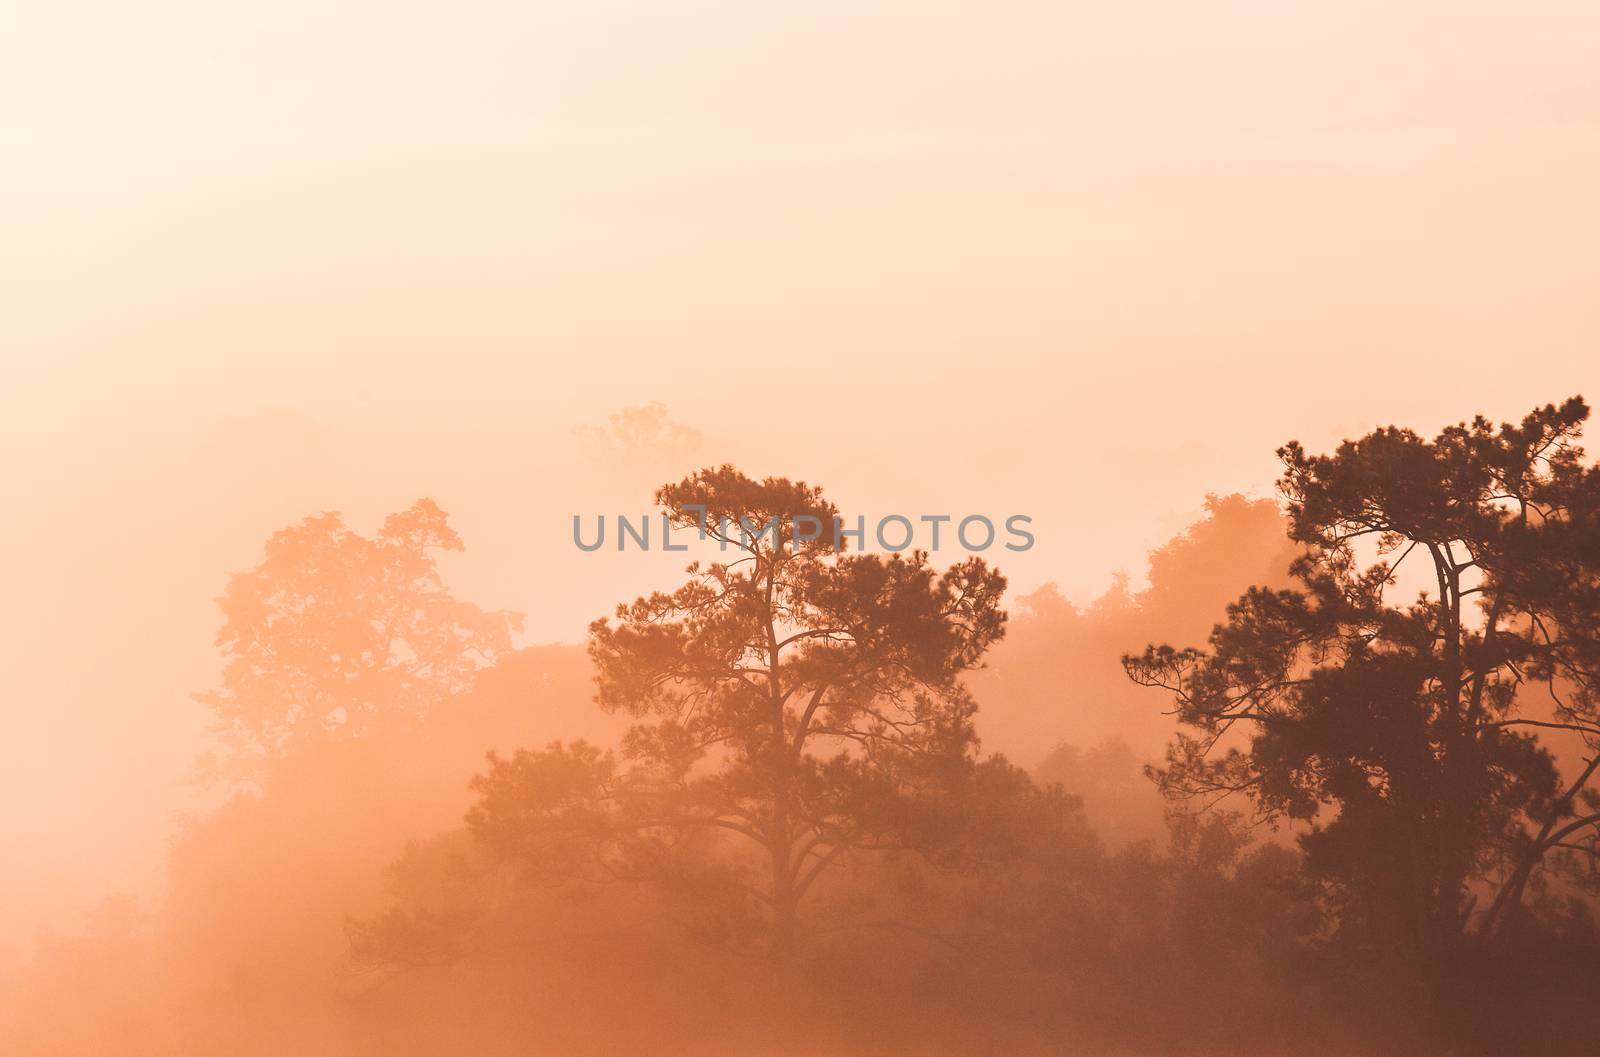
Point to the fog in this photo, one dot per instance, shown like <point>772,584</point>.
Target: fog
<point>1092,264</point>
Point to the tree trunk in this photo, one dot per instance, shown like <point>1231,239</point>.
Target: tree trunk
<point>783,894</point>
<point>1460,744</point>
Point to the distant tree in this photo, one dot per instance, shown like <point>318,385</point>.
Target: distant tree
<point>1405,730</point>
<point>804,702</point>
<point>1118,797</point>
<point>333,631</point>
<point>1058,677</point>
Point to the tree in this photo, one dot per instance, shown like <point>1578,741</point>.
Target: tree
<point>1118,799</point>
<point>1411,724</point>
<point>1057,676</point>
<point>804,701</point>
<point>333,631</point>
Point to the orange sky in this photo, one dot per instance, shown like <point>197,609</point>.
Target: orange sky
<point>1086,263</point>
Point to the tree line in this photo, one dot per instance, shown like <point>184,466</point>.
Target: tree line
<point>1379,780</point>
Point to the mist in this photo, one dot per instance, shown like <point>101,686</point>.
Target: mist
<point>1091,264</point>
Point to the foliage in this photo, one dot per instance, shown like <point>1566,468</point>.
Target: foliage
<point>1404,731</point>
<point>806,701</point>
<point>334,632</point>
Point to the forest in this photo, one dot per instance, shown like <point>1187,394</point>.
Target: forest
<point>1325,784</point>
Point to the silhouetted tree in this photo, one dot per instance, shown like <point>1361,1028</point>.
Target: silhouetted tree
<point>805,701</point>
<point>333,630</point>
<point>1409,720</point>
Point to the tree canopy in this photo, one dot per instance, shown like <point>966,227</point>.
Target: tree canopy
<point>1405,730</point>
<point>333,631</point>
<point>806,701</point>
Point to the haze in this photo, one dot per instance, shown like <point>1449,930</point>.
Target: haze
<point>1085,263</point>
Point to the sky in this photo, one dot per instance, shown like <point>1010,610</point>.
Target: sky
<point>1084,262</point>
